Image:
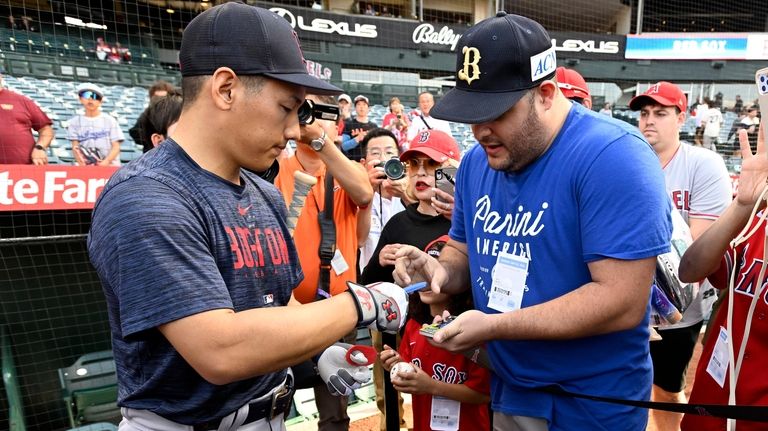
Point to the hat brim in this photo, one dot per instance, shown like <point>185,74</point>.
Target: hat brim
<point>312,84</point>
<point>638,102</point>
<point>429,152</point>
<point>474,107</point>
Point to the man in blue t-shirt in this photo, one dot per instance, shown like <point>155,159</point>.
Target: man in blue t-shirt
<point>195,256</point>
<point>559,215</point>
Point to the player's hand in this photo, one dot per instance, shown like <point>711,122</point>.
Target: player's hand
<point>413,265</point>
<point>466,331</point>
<point>414,383</point>
<point>388,358</point>
<point>344,367</point>
<point>380,306</point>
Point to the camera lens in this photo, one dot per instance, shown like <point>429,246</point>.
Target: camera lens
<point>394,169</point>
<point>305,113</point>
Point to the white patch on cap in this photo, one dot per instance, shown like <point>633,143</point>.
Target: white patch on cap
<point>543,64</point>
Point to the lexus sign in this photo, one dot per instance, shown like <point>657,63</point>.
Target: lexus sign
<point>394,33</point>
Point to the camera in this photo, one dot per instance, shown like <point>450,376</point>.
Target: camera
<point>394,169</point>
<point>309,111</point>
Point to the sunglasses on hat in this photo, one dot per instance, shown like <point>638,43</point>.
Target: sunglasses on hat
<point>89,95</point>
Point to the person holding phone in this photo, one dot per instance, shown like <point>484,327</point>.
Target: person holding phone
<point>420,225</point>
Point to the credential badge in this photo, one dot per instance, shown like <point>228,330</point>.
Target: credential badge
<point>471,70</point>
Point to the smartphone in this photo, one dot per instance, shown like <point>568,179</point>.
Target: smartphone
<point>445,179</point>
<point>761,79</point>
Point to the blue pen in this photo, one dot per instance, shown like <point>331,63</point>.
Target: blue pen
<point>415,287</point>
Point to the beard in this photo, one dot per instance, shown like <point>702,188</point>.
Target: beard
<point>523,145</point>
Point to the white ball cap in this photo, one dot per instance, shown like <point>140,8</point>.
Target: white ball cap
<point>88,86</point>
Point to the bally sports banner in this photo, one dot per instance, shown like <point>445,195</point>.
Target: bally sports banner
<point>51,187</point>
<point>314,25</point>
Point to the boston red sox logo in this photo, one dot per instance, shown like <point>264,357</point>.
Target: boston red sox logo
<point>424,136</point>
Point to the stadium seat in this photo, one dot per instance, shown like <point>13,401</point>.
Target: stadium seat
<point>304,400</point>
<point>89,388</point>
<point>10,382</point>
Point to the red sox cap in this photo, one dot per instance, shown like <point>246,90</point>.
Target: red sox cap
<point>664,93</point>
<point>435,144</point>
<point>250,41</point>
<point>498,59</point>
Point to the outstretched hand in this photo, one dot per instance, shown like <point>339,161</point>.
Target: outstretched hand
<point>754,170</point>
<point>412,265</point>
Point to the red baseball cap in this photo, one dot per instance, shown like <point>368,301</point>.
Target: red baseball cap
<point>438,146</point>
<point>572,84</point>
<point>664,93</point>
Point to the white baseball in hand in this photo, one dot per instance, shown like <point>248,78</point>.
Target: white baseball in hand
<point>400,367</point>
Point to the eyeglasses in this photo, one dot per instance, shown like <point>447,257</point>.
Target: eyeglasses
<point>427,164</point>
<point>89,95</point>
<point>378,154</point>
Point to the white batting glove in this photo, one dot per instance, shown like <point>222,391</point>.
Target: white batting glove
<point>380,306</point>
<point>344,367</point>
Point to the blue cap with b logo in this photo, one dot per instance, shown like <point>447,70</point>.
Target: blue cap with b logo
<point>498,59</point>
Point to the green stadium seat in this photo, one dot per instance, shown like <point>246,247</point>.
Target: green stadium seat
<point>89,389</point>
<point>11,384</point>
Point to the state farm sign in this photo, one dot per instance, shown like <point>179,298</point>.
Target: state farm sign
<point>26,187</point>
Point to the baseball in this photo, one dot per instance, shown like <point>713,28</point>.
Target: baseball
<point>401,367</point>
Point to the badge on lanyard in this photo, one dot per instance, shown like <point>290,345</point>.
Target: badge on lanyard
<point>445,414</point>
<point>338,263</point>
<point>508,282</point>
<point>718,362</point>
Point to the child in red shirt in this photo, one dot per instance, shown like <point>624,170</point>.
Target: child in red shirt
<point>449,390</point>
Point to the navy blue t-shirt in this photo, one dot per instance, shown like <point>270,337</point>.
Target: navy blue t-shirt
<point>169,240</point>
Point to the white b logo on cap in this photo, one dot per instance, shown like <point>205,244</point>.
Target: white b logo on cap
<point>472,54</point>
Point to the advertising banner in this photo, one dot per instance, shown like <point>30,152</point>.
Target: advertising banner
<point>51,187</point>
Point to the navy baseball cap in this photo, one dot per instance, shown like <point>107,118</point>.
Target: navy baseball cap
<point>249,40</point>
<point>498,59</point>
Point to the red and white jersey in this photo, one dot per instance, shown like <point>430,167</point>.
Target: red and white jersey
<point>699,185</point>
<point>447,367</point>
<point>752,384</point>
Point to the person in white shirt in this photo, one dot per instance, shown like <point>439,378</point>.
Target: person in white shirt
<point>701,111</point>
<point>607,110</point>
<point>389,197</point>
<point>421,120</point>
<point>94,135</point>
<point>713,121</point>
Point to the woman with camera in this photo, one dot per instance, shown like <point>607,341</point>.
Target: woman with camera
<point>397,122</point>
<point>426,220</point>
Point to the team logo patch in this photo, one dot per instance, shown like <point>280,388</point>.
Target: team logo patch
<point>543,64</point>
<point>423,136</point>
<point>268,298</point>
<point>471,70</point>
